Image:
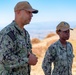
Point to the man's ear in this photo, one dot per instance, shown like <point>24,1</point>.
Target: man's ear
<point>57,31</point>
<point>17,12</point>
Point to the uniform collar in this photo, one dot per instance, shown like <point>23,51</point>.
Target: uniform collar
<point>61,44</point>
<point>18,28</point>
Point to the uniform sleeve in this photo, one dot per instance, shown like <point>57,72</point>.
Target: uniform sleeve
<point>71,47</point>
<point>7,56</point>
<point>48,59</point>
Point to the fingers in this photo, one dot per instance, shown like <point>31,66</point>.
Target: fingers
<point>32,59</point>
<point>29,53</point>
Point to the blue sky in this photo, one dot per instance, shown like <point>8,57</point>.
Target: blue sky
<point>49,10</point>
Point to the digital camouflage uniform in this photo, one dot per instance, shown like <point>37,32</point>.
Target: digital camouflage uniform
<point>61,57</point>
<point>14,47</point>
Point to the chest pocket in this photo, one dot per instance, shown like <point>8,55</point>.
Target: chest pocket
<point>20,40</point>
<point>19,44</point>
<point>64,56</point>
<point>61,57</point>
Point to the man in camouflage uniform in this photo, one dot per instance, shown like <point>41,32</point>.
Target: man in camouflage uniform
<point>16,56</point>
<point>60,53</point>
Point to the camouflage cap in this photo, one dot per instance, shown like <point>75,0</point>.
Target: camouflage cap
<point>63,26</point>
<point>24,5</point>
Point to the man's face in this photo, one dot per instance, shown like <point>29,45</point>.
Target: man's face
<point>64,34</point>
<point>26,16</point>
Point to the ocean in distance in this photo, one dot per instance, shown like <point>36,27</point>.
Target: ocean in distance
<point>42,29</point>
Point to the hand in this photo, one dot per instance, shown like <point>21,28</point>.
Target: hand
<point>32,59</point>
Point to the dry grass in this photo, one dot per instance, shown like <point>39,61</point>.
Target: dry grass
<point>41,47</point>
<point>50,35</point>
<point>35,41</point>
